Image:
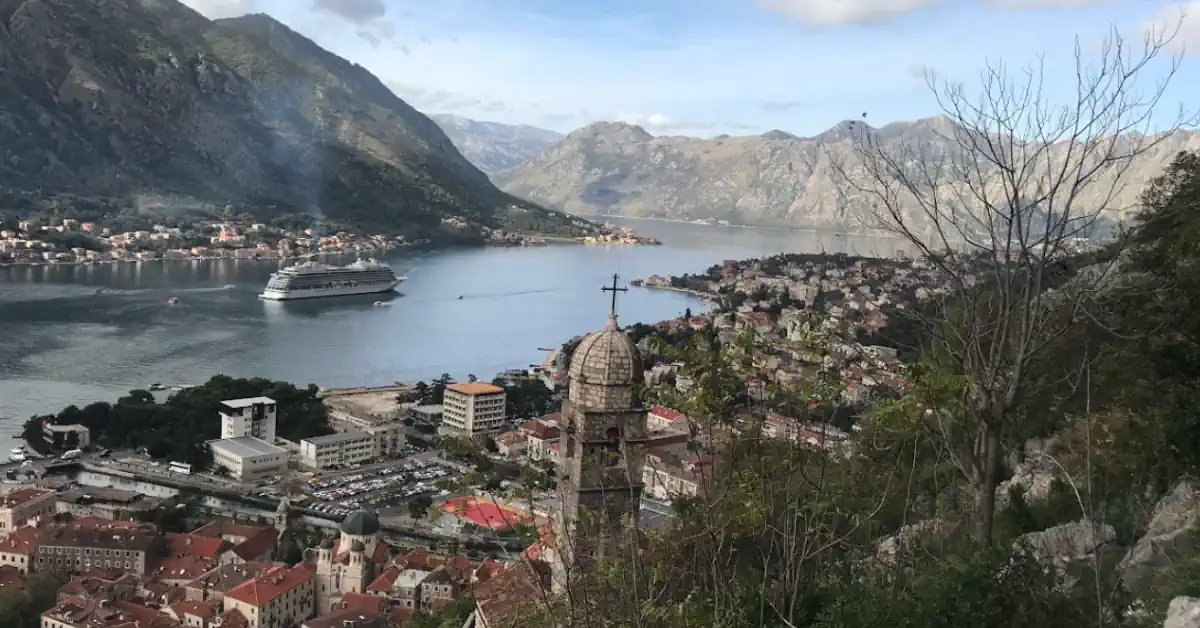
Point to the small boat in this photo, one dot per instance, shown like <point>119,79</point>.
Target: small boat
<point>156,386</point>
<point>460,297</point>
<point>229,286</point>
<point>172,300</point>
<point>17,454</point>
<point>381,304</point>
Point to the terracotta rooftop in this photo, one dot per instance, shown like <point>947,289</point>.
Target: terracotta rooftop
<point>262,590</point>
<point>227,577</point>
<point>666,413</point>
<point>506,599</point>
<point>475,388</point>
<point>22,496</point>
<point>180,567</point>
<point>10,579</point>
<point>206,611</point>
<point>511,437</point>
<point>539,429</point>
<point>20,541</point>
<point>383,583</point>
<point>233,618</point>
<point>348,618</point>
<point>364,603</point>
<point>189,545</point>
<point>256,546</point>
<point>229,528</point>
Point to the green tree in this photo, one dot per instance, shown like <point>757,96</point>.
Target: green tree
<point>418,507</point>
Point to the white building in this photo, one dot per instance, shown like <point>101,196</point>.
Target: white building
<point>253,416</point>
<point>472,410</point>
<point>247,458</point>
<point>343,449</point>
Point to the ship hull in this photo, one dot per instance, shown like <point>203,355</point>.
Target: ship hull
<point>340,291</point>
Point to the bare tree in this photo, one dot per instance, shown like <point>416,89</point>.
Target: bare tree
<point>996,194</point>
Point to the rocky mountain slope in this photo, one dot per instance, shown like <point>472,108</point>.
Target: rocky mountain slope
<point>125,97</point>
<point>492,146</point>
<point>774,179</point>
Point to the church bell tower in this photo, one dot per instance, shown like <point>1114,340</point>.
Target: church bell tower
<point>602,444</point>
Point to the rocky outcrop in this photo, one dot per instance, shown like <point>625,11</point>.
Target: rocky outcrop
<point>773,179</point>
<point>494,147</point>
<point>1068,542</point>
<point>1184,612</point>
<point>1035,473</point>
<point>1171,534</point>
<point>890,548</point>
<point>126,97</point>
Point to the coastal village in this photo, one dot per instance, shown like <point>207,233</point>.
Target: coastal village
<point>332,554</point>
<point>70,241</point>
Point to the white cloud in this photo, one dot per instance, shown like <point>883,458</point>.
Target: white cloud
<point>1180,22</point>
<point>839,12</point>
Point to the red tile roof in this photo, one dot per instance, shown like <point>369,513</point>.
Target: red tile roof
<point>226,527</point>
<point>262,590</point>
<point>475,388</point>
<point>257,545</point>
<point>10,579</point>
<point>190,545</point>
<point>207,611</point>
<point>364,603</point>
<point>384,582</point>
<point>234,619</point>
<point>21,541</point>
<point>667,414</point>
<point>504,600</point>
<point>22,496</point>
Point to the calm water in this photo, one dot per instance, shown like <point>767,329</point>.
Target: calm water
<point>65,343</point>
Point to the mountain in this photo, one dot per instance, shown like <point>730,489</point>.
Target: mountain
<point>492,146</point>
<point>773,179</point>
<point>122,98</point>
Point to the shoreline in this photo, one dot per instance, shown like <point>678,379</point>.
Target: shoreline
<point>814,230</point>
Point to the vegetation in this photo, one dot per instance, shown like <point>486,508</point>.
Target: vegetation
<point>179,428</point>
<point>1080,369</point>
<point>22,607</point>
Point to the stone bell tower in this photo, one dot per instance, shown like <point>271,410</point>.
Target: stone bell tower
<point>602,444</point>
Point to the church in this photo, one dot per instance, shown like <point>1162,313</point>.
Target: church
<point>350,563</point>
<point>603,445</point>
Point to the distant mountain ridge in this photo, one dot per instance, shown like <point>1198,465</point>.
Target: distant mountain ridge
<point>774,179</point>
<point>493,146</point>
<point>124,97</point>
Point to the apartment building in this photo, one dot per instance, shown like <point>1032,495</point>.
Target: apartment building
<point>472,410</point>
<point>337,450</point>
<point>74,548</point>
<point>280,598</point>
<point>252,416</point>
<point>24,507</point>
<point>387,431</point>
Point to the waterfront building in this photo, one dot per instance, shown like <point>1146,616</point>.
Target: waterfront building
<point>387,431</point>
<point>341,450</point>
<point>25,506</point>
<point>73,436</point>
<point>252,416</point>
<point>248,459</point>
<point>280,598</point>
<point>472,410</point>
<point>103,503</point>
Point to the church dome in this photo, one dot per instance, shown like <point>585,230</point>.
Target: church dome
<point>606,358</point>
<point>361,523</point>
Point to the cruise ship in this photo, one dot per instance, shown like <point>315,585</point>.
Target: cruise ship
<point>313,279</point>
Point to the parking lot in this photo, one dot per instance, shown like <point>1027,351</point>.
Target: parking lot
<point>376,489</point>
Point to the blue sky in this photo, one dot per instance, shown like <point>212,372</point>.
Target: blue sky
<point>705,67</point>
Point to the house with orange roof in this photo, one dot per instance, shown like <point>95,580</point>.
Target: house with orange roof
<point>25,506</point>
<point>280,598</point>
<point>512,595</point>
<point>195,614</point>
<point>18,548</point>
<point>214,584</point>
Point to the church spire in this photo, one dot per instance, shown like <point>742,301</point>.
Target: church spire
<point>614,289</point>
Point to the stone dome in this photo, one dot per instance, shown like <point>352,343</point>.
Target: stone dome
<point>361,523</point>
<point>606,358</point>
<point>358,546</point>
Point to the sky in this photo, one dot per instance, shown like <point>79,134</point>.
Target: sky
<point>708,67</point>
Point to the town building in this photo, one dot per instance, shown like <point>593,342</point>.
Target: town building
<point>472,410</point>
<point>336,450</point>
<point>25,506</point>
<point>214,584</point>
<point>541,438</point>
<point>72,436</point>
<point>350,563</point>
<point>76,548</point>
<point>386,429</point>
<point>428,413</point>
<point>103,503</point>
<point>18,549</point>
<point>252,416</point>
<point>247,458</point>
<point>282,597</point>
